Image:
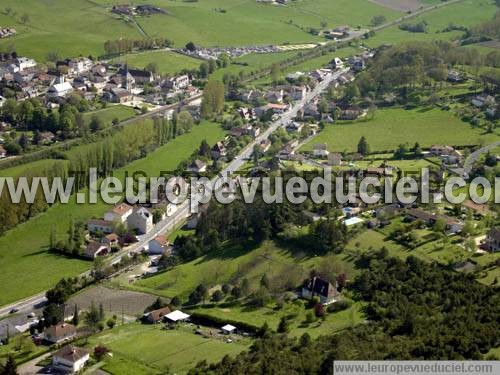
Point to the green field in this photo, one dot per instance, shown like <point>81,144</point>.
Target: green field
<point>37,167</point>
<point>108,114</point>
<point>333,323</point>
<point>147,349</point>
<point>69,27</point>
<point>392,127</point>
<point>253,62</point>
<point>23,250</point>
<point>312,64</point>
<point>86,25</point>
<point>220,266</point>
<point>169,63</point>
<point>466,13</point>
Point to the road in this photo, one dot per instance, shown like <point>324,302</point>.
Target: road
<point>171,222</point>
<point>472,159</point>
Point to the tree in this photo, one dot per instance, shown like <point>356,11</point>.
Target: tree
<point>217,296</point>
<point>111,323</point>
<point>25,18</point>
<point>92,318</point>
<point>283,325</point>
<point>176,301</point>
<point>10,367</point>
<point>100,351</point>
<point>101,312</point>
<point>363,147</point>
<point>213,99</point>
<point>190,46</point>
<point>264,281</point>
<point>204,149</point>
<point>204,70</point>
<point>378,20</point>
<point>76,318</point>
<point>152,67</point>
<point>275,72</point>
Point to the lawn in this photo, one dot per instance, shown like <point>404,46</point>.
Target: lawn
<point>34,168</point>
<point>333,322</point>
<point>148,349</point>
<point>228,263</point>
<point>251,23</point>
<point>312,64</point>
<point>169,63</point>
<point>465,13</point>
<point>69,27</point>
<point>23,250</point>
<point>391,127</point>
<point>108,114</point>
<point>86,25</point>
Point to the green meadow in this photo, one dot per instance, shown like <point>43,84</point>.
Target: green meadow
<point>86,25</point>
<point>23,250</point>
<point>169,63</point>
<point>465,13</point>
<point>391,127</point>
<point>148,349</point>
<point>108,114</point>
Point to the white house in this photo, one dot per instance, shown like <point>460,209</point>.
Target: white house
<point>119,213</point>
<point>98,225</point>
<point>320,150</point>
<point>80,65</point>
<point>25,63</point>
<point>70,359</point>
<point>140,220</point>
<point>197,166</point>
<point>3,153</point>
<point>60,90</point>
<point>158,245</point>
<point>2,101</point>
<point>96,249</point>
<point>228,329</point>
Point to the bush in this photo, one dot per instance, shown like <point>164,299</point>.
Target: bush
<point>339,306</point>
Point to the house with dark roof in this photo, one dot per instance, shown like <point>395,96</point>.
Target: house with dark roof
<point>140,76</point>
<point>70,359</point>
<point>97,249</point>
<point>492,242</point>
<point>99,225</point>
<point>218,150</point>
<point>60,332</point>
<point>317,287</point>
<point>157,316</point>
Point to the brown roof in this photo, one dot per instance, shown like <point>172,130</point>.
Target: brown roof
<point>60,330</point>
<point>100,222</point>
<point>71,353</point>
<point>157,315</point>
<point>94,247</point>
<point>121,209</point>
<point>161,239</point>
<point>475,206</point>
<point>112,237</point>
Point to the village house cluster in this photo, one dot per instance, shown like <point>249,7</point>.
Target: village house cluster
<point>115,83</point>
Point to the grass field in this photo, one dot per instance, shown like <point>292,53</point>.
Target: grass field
<point>23,250</point>
<point>86,25</point>
<point>169,63</point>
<point>333,323</point>
<point>249,23</point>
<point>69,27</point>
<point>312,64</point>
<point>148,349</point>
<point>108,114</point>
<point>37,167</point>
<point>392,127</point>
<point>466,13</point>
<point>228,263</point>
